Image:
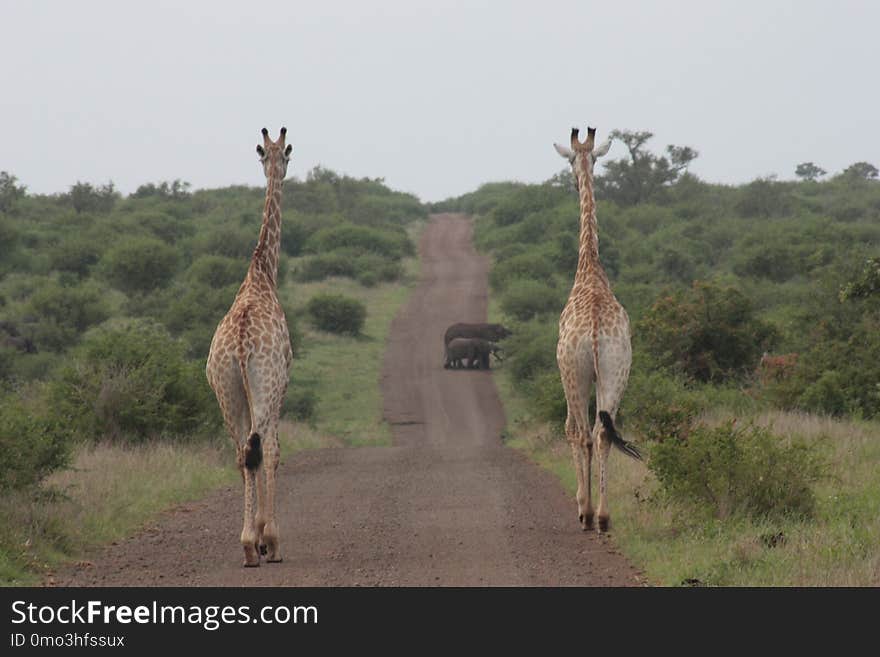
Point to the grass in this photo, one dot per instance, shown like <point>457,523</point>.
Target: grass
<point>840,546</point>
<point>345,370</point>
<point>111,491</point>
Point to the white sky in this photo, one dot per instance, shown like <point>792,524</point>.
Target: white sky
<point>435,96</point>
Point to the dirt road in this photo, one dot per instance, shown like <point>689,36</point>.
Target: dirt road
<point>448,504</point>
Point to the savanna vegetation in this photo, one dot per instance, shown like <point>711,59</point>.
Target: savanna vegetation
<point>755,385</point>
<point>107,307</point>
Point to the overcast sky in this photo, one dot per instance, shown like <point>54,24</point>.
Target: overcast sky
<point>437,97</point>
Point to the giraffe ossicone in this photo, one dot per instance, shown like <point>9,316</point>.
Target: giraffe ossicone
<point>249,363</point>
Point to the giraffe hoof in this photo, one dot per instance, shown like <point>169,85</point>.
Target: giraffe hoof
<point>274,560</point>
<point>604,523</point>
<point>263,549</point>
<point>586,520</point>
<point>255,564</point>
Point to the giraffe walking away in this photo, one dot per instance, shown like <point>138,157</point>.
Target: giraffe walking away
<point>248,367</point>
<point>594,345</point>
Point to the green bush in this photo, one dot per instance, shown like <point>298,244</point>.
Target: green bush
<point>62,313</point>
<point>727,470</point>
<point>363,239</point>
<point>547,397</point>
<point>33,443</point>
<point>140,264</point>
<point>337,314</point>
<point>367,268</point>
<point>217,271</point>
<point>531,350</point>
<point>536,266</point>
<point>300,402</point>
<point>658,406</point>
<point>230,240</point>
<point>166,227</point>
<point>524,299</point>
<point>76,254</point>
<point>710,333</point>
<point>324,265</point>
<point>130,381</point>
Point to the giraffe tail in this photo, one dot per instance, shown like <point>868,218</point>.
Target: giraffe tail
<point>624,446</point>
<point>253,449</point>
<point>253,452</point>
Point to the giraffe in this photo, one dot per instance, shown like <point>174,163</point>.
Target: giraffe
<point>249,363</point>
<point>594,344</point>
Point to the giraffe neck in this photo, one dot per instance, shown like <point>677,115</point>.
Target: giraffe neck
<point>268,249</point>
<point>589,267</point>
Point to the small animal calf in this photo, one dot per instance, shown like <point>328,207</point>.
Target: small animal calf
<point>475,350</point>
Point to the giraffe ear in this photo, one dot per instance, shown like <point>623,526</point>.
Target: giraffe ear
<point>565,152</point>
<point>601,149</point>
<point>288,150</point>
<point>261,151</point>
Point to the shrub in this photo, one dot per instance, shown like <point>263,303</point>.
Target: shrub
<point>658,407</point>
<point>523,299</point>
<point>547,397</point>
<point>228,240</point>
<point>217,271</point>
<point>300,402</point>
<point>533,265</point>
<point>166,227</point>
<point>366,268</point>
<point>531,350</point>
<point>327,264</point>
<point>364,239</point>
<point>33,443</point>
<point>129,380</point>
<point>726,470</point>
<point>140,264</point>
<point>709,333</point>
<point>337,314</point>
<point>62,313</point>
<point>77,254</point>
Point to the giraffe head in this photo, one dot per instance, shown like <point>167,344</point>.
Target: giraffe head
<point>580,156</point>
<point>274,155</point>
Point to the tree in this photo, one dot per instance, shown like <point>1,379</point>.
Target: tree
<point>636,179</point>
<point>709,333</point>
<point>175,190</point>
<point>866,285</point>
<point>84,197</point>
<point>809,171</point>
<point>861,171</point>
<point>9,191</point>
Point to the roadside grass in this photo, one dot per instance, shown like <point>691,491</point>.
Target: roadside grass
<point>344,370</point>
<point>111,491</point>
<point>840,546</point>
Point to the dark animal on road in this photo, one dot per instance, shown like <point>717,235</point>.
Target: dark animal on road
<point>475,350</point>
<point>488,332</point>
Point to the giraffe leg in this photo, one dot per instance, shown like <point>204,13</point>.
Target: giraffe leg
<point>227,386</point>
<point>571,434</point>
<point>587,462</point>
<point>260,517</point>
<point>604,448</point>
<point>249,537</point>
<point>614,365</point>
<point>577,381</point>
<point>585,511</point>
<point>270,533</point>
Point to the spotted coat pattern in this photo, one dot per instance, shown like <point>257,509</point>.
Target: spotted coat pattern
<point>593,347</point>
<point>248,367</point>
